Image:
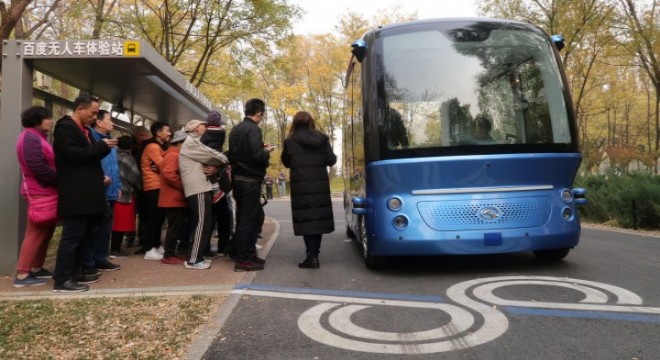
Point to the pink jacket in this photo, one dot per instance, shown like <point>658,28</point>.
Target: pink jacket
<point>37,161</point>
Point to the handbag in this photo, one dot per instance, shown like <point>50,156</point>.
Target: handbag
<point>41,209</point>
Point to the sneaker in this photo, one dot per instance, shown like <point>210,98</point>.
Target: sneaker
<point>117,254</point>
<point>202,265</point>
<point>42,274</point>
<point>172,260</point>
<point>256,259</point>
<point>258,247</point>
<point>91,272</point>
<point>70,286</point>
<point>153,254</point>
<point>30,280</point>
<point>161,250</point>
<point>86,279</point>
<point>108,266</point>
<point>247,265</point>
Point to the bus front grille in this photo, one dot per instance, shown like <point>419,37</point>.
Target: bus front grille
<point>485,214</point>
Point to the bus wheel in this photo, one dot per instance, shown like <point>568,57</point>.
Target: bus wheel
<point>370,261</point>
<point>552,255</point>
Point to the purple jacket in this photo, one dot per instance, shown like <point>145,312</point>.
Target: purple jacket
<point>37,162</point>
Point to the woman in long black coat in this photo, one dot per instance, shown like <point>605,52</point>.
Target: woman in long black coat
<point>307,153</point>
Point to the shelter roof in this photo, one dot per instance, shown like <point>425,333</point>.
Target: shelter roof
<point>128,73</point>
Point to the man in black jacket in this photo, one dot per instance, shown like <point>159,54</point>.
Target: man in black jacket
<point>81,187</point>
<point>249,159</point>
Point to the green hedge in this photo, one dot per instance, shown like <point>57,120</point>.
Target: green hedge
<point>629,201</point>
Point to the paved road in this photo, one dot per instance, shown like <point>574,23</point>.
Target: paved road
<point>602,302</point>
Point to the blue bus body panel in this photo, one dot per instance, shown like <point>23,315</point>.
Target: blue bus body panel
<point>472,204</point>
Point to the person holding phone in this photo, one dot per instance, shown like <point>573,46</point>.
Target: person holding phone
<point>81,191</point>
<point>249,158</point>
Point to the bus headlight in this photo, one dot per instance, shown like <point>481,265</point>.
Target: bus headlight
<point>567,195</point>
<point>394,203</point>
<point>567,214</point>
<point>400,222</point>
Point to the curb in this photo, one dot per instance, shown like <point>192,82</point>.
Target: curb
<point>129,292</point>
<point>217,320</point>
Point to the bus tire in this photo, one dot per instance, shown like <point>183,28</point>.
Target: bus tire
<point>370,261</point>
<point>552,255</point>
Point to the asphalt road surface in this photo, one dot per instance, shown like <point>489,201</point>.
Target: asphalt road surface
<point>601,302</point>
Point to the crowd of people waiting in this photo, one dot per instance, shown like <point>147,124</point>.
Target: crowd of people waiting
<point>110,190</point>
<point>105,190</point>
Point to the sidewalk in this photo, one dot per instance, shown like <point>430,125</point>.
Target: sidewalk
<point>140,277</point>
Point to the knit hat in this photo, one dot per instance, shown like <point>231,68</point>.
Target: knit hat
<point>192,125</point>
<point>214,119</point>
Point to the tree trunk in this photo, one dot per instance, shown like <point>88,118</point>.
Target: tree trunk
<point>657,125</point>
<point>10,17</point>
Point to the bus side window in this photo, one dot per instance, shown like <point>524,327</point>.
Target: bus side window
<point>354,145</point>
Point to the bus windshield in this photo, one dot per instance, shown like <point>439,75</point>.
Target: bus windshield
<point>490,84</point>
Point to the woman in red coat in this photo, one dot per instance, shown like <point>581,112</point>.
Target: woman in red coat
<point>37,162</point>
<point>172,199</point>
<point>123,220</point>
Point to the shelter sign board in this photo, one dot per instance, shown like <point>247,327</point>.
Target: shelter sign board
<point>80,49</point>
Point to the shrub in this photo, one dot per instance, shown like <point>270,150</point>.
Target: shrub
<point>628,201</point>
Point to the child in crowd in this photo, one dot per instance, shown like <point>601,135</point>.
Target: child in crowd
<point>215,138</point>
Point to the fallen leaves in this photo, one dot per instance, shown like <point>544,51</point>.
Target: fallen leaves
<point>104,328</point>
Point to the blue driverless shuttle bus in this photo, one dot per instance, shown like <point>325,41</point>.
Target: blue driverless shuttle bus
<point>460,138</point>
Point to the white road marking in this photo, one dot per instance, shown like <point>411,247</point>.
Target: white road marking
<point>459,333</point>
<point>341,321</point>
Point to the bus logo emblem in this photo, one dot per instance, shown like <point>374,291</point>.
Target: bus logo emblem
<point>489,213</point>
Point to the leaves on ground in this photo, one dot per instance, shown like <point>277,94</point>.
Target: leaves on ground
<point>102,328</point>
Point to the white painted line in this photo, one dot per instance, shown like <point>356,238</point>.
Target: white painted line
<point>339,299</point>
<point>310,324</point>
<point>461,321</point>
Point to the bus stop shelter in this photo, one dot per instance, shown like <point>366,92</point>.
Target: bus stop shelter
<point>129,74</point>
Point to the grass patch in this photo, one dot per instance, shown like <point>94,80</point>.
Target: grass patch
<point>102,328</point>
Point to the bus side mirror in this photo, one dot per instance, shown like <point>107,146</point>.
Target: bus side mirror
<point>558,40</point>
<point>359,206</point>
<point>580,196</point>
<point>359,49</point>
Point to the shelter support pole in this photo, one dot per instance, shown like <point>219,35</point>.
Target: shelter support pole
<point>16,96</point>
